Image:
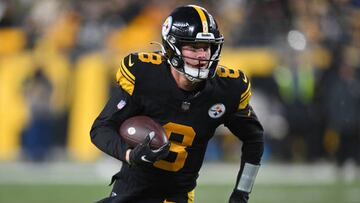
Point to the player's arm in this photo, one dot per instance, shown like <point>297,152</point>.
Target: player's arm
<point>121,105</point>
<point>104,131</point>
<point>245,125</point>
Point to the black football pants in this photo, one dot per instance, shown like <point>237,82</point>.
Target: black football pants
<point>127,189</point>
<point>119,198</point>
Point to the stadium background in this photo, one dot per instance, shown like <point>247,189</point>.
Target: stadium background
<point>58,61</point>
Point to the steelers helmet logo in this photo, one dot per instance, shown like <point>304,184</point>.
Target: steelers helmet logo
<point>166,26</point>
<point>217,110</point>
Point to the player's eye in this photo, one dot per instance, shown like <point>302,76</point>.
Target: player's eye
<point>195,48</point>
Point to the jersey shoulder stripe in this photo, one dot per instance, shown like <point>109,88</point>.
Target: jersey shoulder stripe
<point>246,95</point>
<point>126,71</point>
<point>124,77</point>
<point>238,81</point>
<point>137,68</point>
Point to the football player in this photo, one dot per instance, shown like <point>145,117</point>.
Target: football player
<point>182,88</point>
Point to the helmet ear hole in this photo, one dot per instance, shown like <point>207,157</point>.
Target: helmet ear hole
<point>172,39</point>
<point>174,62</point>
<point>177,62</point>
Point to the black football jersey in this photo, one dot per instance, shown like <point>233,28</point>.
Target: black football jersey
<point>189,118</point>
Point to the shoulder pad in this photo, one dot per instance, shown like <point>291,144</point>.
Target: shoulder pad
<point>239,79</point>
<point>125,75</point>
<point>133,66</point>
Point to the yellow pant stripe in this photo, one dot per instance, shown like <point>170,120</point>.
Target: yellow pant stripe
<point>191,196</point>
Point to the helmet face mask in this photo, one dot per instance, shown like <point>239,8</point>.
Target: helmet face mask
<point>188,25</point>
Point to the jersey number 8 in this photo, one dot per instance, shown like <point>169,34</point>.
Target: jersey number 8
<point>150,58</point>
<point>188,136</point>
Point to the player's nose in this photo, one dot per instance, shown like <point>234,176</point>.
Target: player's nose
<point>201,53</point>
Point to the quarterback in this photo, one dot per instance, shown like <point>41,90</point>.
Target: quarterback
<point>182,88</point>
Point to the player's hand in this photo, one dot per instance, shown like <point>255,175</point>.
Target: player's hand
<point>239,197</point>
<point>143,155</point>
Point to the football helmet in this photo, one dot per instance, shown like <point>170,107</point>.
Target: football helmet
<point>186,25</point>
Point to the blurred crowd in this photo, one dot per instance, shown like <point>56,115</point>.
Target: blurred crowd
<point>58,61</point>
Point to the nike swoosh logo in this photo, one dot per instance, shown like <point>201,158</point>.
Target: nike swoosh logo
<point>143,157</point>
<point>130,63</point>
<point>245,79</point>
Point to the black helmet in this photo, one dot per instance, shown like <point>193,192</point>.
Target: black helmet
<point>191,24</point>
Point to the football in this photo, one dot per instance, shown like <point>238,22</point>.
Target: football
<point>135,129</point>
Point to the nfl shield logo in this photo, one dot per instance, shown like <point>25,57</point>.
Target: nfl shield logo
<point>121,104</point>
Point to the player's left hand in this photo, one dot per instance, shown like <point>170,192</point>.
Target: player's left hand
<point>239,197</point>
<point>143,155</point>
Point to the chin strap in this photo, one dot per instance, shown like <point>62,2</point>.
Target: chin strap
<point>195,74</point>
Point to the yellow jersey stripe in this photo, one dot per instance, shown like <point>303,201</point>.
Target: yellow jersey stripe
<point>246,97</point>
<point>124,74</point>
<point>125,79</point>
<point>244,102</point>
<point>246,91</point>
<point>124,83</point>
<point>132,77</point>
<point>202,18</point>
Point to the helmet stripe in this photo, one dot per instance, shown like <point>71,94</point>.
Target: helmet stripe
<point>202,18</point>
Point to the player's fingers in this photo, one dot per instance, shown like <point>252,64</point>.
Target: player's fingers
<point>165,147</point>
<point>163,151</point>
<point>149,137</point>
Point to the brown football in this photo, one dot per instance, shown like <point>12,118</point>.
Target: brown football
<point>135,129</point>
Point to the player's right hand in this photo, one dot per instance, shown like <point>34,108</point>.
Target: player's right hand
<point>142,155</point>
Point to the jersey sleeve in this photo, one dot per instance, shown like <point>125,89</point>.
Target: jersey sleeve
<point>121,105</point>
<point>244,124</point>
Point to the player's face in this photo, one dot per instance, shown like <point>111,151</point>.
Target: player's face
<point>196,55</point>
